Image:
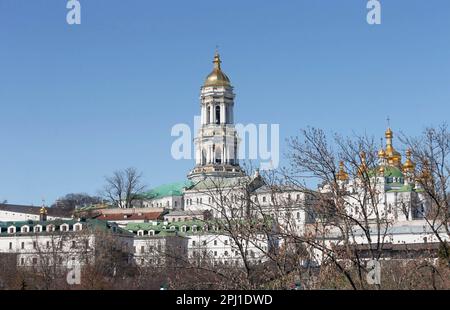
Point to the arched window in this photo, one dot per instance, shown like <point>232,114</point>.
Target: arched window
<point>218,156</point>
<point>217,114</point>
<point>140,233</point>
<point>203,157</point>
<point>208,115</point>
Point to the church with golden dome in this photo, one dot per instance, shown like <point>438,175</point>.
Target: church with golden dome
<point>400,196</point>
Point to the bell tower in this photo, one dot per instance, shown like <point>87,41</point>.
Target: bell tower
<point>216,144</point>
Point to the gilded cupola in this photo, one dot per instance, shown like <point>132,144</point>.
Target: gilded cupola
<point>425,174</point>
<point>409,166</point>
<point>393,157</point>
<point>342,175</point>
<point>217,77</point>
<point>363,167</point>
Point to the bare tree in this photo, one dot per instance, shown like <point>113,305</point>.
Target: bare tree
<point>123,187</point>
<point>431,152</point>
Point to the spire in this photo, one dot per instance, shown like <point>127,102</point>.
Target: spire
<point>393,157</point>
<point>43,212</point>
<point>217,62</point>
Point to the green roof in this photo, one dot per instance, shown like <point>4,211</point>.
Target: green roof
<point>90,223</point>
<point>389,172</point>
<point>394,172</point>
<point>221,183</point>
<point>164,230</point>
<point>167,190</point>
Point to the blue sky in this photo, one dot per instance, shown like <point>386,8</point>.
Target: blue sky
<point>78,102</point>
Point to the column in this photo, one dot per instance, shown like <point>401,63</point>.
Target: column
<point>210,154</point>
<point>211,120</point>
<point>231,120</point>
<point>224,155</point>
<point>202,115</point>
<point>222,114</point>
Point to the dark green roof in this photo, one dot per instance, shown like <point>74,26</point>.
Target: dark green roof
<point>167,190</point>
<point>394,172</point>
<point>90,223</point>
<point>162,229</point>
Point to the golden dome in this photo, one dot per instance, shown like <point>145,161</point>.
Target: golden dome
<point>217,77</point>
<point>394,158</point>
<point>363,167</point>
<point>409,166</point>
<point>43,210</point>
<point>426,175</point>
<point>342,175</point>
<point>381,154</point>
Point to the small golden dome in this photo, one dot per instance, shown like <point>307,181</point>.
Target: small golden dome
<point>342,175</point>
<point>217,77</point>
<point>409,166</point>
<point>363,167</point>
<point>43,210</point>
<point>381,154</point>
<point>426,175</point>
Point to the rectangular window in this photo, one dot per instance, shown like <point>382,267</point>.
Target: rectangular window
<point>34,244</point>
<point>74,244</point>
<point>142,249</point>
<point>34,260</point>
<point>10,245</point>
<point>48,245</point>
<point>22,261</point>
<point>22,245</point>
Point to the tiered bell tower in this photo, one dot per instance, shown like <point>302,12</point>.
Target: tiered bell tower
<point>216,144</point>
